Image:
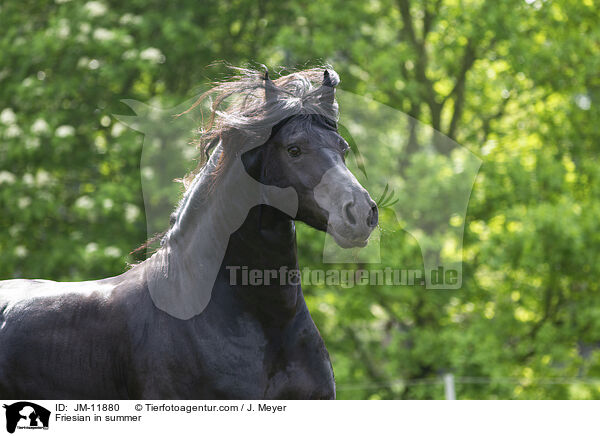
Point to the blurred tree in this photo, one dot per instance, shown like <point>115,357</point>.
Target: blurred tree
<point>515,82</point>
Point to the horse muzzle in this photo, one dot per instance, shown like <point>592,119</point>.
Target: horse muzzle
<point>352,212</point>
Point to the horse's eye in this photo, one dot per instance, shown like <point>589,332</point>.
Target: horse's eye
<point>294,151</point>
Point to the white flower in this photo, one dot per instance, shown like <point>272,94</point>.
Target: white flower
<point>102,34</point>
<point>91,247</point>
<point>125,18</point>
<point>100,143</point>
<point>112,251</point>
<point>42,178</point>
<point>15,230</point>
<point>20,251</point>
<point>107,203</point>
<point>153,55</point>
<point>6,177</point>
<point>583,101</point>
<point>63,29</point>
<point>117,130</point>
<point>7,116</point>
<point>95,9</point>
<point>148,173</point>
<point>64,131</point>
<point>13,131</point>
<point>129,54</point>
<point>28,179</point>
<point>131,212</point>
<point>24,202</point>
<point>84,202</point>
<point>39,126</point>
<point>130,18</point>
<point>85,28</point>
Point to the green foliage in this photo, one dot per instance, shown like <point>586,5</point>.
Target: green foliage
<point>515,82</point>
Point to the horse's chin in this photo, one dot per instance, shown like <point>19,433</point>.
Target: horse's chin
<point>348,242</point>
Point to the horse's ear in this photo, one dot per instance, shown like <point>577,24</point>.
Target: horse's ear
<point>271,91</point>
<point>330,81</point>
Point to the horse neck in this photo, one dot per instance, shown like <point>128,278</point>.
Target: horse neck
<point>265,245</point>
<point>219,224</point>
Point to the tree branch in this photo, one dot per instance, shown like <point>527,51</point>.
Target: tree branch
<point>468,59</point>
<point>408,28</point>
<point>421,62</point>
<point>429,17</point>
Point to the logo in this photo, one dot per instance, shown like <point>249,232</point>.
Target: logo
<point>26,415</point>
<point>421,180</point>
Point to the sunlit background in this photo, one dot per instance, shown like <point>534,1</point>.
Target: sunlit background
<point>515,82</point>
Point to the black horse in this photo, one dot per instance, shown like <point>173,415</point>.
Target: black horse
<point>185,324</point>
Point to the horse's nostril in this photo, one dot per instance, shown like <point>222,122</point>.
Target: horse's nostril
<point>348,213</point>
<point>373,217</point>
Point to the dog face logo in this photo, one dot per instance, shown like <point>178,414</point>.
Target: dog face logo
<point>26,415</point>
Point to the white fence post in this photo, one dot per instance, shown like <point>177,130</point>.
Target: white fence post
<point>449,387</point>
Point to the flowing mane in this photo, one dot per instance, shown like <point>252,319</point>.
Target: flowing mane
<point>243,115</point>
<point>241,110</point>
